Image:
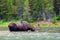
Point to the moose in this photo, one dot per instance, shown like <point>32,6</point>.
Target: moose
<point>20,26</point>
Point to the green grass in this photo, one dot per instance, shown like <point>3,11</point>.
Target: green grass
<point>5,24</point>
<point>46,25</point>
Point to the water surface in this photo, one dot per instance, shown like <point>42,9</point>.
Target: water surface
<point>6,35</point>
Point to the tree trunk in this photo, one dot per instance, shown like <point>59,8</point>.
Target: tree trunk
<point>20,13</point>
<point>27,15</point>
<point>20,9</point>
<point>56,7</point>
<point>43,13</point>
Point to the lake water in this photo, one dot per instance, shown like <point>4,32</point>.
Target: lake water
<point>45,33</point>
<point>6,35</point>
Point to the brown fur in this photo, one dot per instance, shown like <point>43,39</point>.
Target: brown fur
<point>21,26</point>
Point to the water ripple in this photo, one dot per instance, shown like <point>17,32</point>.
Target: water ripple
<point>6,35</point>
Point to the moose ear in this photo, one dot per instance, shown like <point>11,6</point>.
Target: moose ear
<point>38,24</point>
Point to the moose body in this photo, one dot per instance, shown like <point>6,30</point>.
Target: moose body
<point>21,26</point>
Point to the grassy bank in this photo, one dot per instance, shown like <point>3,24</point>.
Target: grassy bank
<point>42,24</point>
<point>5,24</point>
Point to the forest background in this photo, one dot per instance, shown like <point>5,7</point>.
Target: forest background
<point>34,11</point>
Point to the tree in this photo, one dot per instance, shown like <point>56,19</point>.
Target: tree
<point>26,8</point>
<point>35,8</point>
<point>3,9</point>
<point>56,7</point>
<point>20,8</point>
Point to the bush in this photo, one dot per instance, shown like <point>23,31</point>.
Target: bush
<point>31,21</point>
<point>58,17</point>
<point>54,20</point>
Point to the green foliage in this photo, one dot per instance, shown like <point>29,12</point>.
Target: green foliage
<point>3,6</point>
<point>31,21</point>
<point>54,20</point>
<point>32,9</point>
<point>35,8</point>
<point>1,21</point>
<point>58,17</point>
